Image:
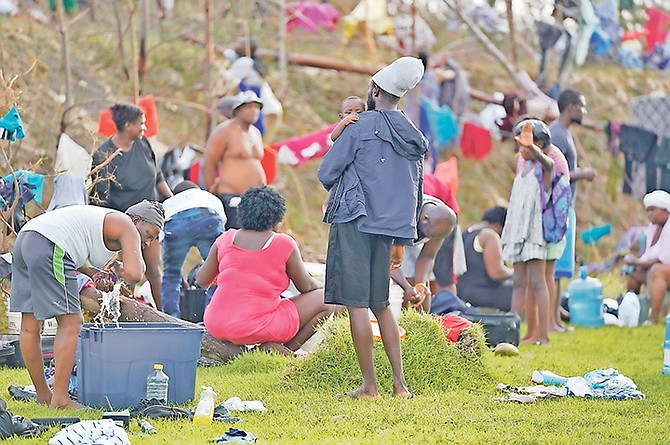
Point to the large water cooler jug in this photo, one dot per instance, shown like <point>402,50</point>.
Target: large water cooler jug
<point>586,300</point>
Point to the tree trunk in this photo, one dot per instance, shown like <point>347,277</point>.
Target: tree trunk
<point>62,30</point>
<point>324,62</point>
<point>134,311</point>
<point>119,31</point>
<point>144,35</point>
<point>488,45</point>
<point>209,62</point>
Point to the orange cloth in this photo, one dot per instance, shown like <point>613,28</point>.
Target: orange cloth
<point>148,104</point>
<point>106,125</point>
<point>269,163</point>
<point>447,173</point>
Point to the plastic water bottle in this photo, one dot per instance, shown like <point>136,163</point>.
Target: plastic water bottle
<point>548,378</point>
<point>204,412</point>
<point>157,384</point>
<point>146,426</point>
<point>666,347</point>
<point>629,310</point>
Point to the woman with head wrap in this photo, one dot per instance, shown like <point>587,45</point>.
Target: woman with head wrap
<point>48,253</point>
<point>130,176</point>
<point>653,266</point>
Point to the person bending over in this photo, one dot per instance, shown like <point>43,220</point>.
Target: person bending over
<point>48,252</point>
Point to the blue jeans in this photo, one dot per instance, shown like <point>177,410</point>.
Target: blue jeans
<point>197,227</point>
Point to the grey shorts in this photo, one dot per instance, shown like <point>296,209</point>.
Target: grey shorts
<point>44,281</point>
<point>357,267</point>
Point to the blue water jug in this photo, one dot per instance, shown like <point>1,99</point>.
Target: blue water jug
<point>666,347</point>
<point>586,301</point>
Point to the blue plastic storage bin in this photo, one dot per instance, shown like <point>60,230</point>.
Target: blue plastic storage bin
<point>113,362</point>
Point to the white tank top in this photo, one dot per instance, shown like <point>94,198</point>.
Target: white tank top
<point>77,230</point>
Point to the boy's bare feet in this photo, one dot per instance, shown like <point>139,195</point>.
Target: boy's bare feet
<point>536,341</point>
<point>402,391</point>
<point>66,404</point>
<point>44,399</point>
<point>359,393</point>
<point>555,327</point>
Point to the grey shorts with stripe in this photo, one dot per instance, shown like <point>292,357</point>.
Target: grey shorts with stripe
<point>357,267</point>
<point>44,281</point>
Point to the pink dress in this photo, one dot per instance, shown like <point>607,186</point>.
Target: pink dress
<point>246,307</point>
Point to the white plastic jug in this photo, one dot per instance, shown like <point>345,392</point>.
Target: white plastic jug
<point>629,310</point>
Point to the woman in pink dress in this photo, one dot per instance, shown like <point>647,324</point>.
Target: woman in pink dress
<point>254,266</point>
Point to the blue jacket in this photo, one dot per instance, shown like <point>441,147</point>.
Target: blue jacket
<point>374,171</point>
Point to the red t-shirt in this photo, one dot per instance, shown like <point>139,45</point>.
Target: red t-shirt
<point>434,187</point>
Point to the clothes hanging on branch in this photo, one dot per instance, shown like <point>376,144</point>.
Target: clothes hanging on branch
<point>72,157</point>
<point>309,16</point>
<point>11,126</point>
<point>639,148</point>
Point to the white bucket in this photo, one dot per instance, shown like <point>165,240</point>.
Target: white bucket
<point>14,324</point>
<point>395,301</point>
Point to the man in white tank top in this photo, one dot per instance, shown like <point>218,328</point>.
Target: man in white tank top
<point>48,252</point>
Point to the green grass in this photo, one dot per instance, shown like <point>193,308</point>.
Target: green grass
<point>454,391</point>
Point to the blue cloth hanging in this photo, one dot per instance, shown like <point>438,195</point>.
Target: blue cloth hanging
<point>442,121</point>
<point>12,125</point>
<point>31,186</point>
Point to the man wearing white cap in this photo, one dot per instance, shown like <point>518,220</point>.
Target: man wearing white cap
<point>235,149</point>
<point>374,172</point>
<point>653,267</point>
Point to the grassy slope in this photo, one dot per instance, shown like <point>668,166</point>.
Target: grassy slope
<point>175,70</point>
<point>308,415</point>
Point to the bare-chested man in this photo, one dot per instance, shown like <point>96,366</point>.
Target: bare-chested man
<point>236,148</point>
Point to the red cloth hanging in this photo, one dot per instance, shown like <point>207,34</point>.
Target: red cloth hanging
<point>106,125</point>
<point>447,172</point>
<point>269,163</point>
<point>657,26</point>
<point>476,141</point>
<point>148,104</point>
<point>300,149</point>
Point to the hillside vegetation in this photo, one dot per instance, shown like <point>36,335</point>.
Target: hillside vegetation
<point>175,74</point>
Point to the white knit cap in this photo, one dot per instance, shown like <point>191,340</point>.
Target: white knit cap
<point>400,76</point>
<point>657,198</point>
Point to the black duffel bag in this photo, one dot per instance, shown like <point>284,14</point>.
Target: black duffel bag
<point>500,327</point>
